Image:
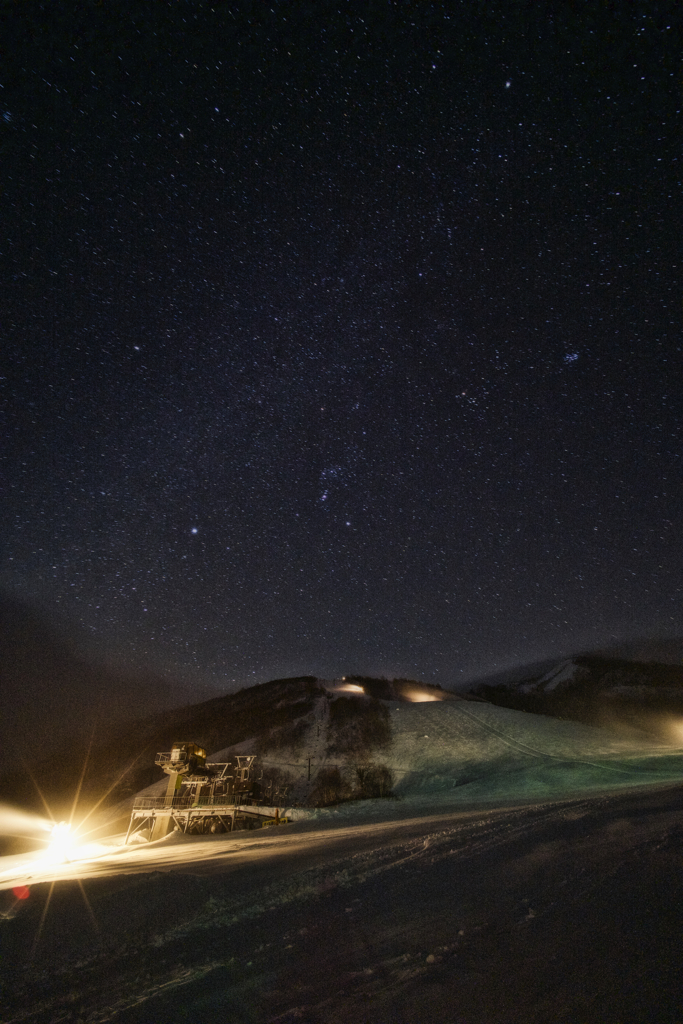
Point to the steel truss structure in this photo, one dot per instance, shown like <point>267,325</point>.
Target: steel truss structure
<point>198,817</point>
<point>200,798</point>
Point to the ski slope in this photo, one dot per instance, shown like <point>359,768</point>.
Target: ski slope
<point>464,752</point>
<point>515,840</point>
<point>445,756</point>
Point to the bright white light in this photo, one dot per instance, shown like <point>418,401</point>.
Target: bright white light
<point>62,842</point>
<point>350,688</point>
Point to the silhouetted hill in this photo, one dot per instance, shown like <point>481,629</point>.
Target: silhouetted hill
<point>51,694</point>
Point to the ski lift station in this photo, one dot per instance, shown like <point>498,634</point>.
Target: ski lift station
<point>200,797</point>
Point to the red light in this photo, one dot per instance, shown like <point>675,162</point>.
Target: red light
<point>21,892</point>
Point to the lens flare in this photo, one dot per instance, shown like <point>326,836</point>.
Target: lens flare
<point>16,822</point>
<point>61,843</point>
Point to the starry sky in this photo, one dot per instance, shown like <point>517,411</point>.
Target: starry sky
<point>342,337</point>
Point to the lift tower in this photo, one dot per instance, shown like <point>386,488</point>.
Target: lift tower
<point>200,797</point>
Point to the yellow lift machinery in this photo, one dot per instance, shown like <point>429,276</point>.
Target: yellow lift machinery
<point>200,798</point>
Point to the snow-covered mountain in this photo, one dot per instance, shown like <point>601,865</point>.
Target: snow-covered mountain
<point>640,697</point>
<point>490,882</point>
<point>459,753</point>
<point>279,719</point>
<point>322,743</point>
<point>450,896</point>
<point>562,675</point>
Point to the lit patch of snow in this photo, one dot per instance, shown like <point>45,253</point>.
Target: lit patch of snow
<point>445,757</point>
<point>340,686</point>
<point>422,696</point>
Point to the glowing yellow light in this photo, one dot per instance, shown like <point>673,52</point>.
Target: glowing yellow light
<point>61,843</point>
<point>420,696</point>
<point>351,688</point>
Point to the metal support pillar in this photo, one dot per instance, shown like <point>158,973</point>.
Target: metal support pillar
<point>162,820</point>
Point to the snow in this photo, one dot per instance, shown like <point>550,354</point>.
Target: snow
<point>566,672</point>
<point>446,756</point>
<point>517,913</point>
<point>511,840</point>
<point>517,854</point>
<point>454,753</point>
<point>465,753</point>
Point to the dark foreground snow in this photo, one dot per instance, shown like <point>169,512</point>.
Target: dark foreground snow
<point>566,912</point>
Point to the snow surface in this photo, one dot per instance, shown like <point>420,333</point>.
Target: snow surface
<point>445,756</point>
<point>468,753</point>
<point>566,672</point>
<point>564,911</point>
<point>519,852</point>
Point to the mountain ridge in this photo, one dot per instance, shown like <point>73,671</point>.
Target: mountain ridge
<point>595,689</point>
<point>274,716</point>
<point>341,725</point>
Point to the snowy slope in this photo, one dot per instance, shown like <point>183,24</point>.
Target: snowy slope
<point>458,752</point>
<point>455,753</point>
<point>634,697</point>
<point>562,675</point>
<point>462,752</point>
<point>443,898</point>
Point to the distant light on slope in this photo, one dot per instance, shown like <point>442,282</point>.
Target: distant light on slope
<point>421,696</point>
<point>350,688</point>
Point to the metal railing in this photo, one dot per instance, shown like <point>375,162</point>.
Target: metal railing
<point>184,802</point>
<point>167,758</point>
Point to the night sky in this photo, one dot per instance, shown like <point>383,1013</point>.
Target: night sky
<point>342,337</point>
